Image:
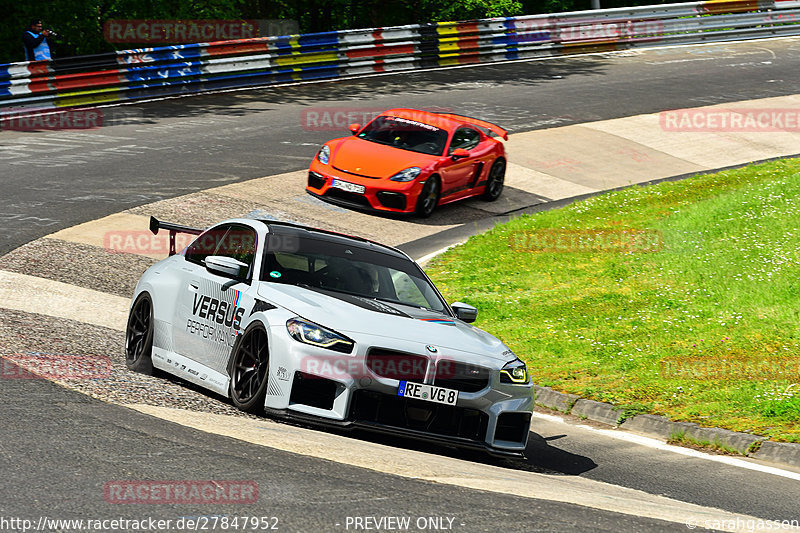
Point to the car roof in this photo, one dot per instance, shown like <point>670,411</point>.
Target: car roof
<point>278,227</point>
<point>445,121</point>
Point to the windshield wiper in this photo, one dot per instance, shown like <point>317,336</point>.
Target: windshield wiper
<point>407,304</point>
<point>376,141</point>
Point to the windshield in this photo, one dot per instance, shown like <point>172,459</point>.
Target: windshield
<point>405,134</point>
<point>340,267</point>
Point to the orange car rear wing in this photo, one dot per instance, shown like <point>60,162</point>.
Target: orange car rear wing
<point>494,128</point>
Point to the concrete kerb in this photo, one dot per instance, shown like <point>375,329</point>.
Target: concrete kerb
<point>658,426</point>
<point>779,452</point>
<point>663,428</point>
<point>723,439</point>
<point>598,411</point>
<point>551,399</point>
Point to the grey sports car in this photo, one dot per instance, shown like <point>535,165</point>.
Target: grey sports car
<point>321,327</point>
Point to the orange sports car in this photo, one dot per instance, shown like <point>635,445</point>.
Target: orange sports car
<point>409,161</point>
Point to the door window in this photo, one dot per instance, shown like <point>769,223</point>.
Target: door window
<point>230,240</point>
<point>466,138</point>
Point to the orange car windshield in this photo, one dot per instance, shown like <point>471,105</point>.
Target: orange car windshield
<point>405,134</point>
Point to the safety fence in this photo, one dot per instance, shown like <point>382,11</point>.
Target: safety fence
<point>194,68</point>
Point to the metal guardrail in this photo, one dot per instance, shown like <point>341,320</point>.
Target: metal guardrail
<point>193,68</point>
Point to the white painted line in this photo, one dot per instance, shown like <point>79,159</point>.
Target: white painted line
<point>42,296</point>
<point>414,464</point>
<point>650,442</point>
<point>428,257</point>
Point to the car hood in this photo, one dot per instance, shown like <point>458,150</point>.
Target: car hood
<point>351,315</point>
<point>374,160</point>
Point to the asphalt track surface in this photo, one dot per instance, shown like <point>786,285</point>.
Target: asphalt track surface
<point>60,447</point>
<point>53,180</point>
<point>63,477</point>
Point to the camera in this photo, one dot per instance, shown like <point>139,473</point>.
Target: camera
<point>52,33</point>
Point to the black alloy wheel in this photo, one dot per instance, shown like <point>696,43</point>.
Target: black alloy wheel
<point>250,370</point>
<point>497,177</point>
<point>428,198</point>
<point>139,336</point>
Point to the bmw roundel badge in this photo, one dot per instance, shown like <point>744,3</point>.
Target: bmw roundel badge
<point>431,349</point>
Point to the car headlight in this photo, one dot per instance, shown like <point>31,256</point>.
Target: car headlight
<point>314,334</point>
<point>407,174</point>
<point>324,154</point>
<point>514,372</point>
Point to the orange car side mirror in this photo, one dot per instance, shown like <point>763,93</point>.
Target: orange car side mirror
<point>354,128</point>
<point>459,153</point>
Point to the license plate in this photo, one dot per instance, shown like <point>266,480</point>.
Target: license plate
<point>429,393</point>
<point>347,186</point>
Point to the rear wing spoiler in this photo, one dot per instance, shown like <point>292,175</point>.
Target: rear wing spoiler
<point>494,128</point>
<point>156,225</point>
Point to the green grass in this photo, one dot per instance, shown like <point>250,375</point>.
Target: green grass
<point>682,439</point>
<point>704,329</point>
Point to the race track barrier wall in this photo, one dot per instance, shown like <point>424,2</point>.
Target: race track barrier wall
<point>194,68</point>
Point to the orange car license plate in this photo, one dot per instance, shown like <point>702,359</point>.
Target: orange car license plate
<point>347,186</point>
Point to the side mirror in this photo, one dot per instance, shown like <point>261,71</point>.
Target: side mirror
<point>464,312</point>
<point>354,128</point>
<point>459,153</point>
<point>225,266</point>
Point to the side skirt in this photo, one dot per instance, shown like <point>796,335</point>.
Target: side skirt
<point>190,370</point>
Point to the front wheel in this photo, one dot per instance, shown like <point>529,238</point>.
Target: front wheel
<point>139,336</point>
<point>497,177</point>
<point>428,198</point>
<point>250,370</point>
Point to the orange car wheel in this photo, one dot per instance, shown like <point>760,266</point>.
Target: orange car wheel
<point>428,198</point>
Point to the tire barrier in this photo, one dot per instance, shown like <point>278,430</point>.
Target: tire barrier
<point>195,68</point>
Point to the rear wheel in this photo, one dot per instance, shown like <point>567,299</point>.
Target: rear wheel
<point>250,370</point>
<point>139,336</point>
<point>496,180</point>
<point>428,198</point>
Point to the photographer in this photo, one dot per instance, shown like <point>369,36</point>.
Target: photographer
<point>35,41</point>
